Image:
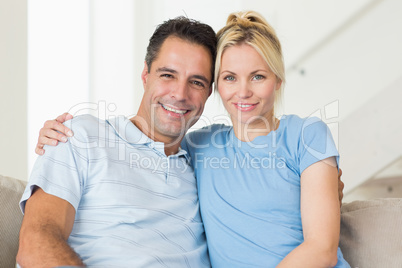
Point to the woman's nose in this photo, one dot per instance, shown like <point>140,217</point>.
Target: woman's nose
<point>244,91</point>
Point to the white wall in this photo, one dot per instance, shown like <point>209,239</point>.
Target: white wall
<point>58,62</point>
<point>355,68</point>
<point>13,88</point>
<point>360,60</point>
<point>338,54</point>
<point>112,61</point>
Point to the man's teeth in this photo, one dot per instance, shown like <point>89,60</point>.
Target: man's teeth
<point>174,110</point>
<point>244,105</point>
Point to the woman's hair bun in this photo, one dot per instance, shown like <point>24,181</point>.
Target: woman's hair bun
<point>246,19</point>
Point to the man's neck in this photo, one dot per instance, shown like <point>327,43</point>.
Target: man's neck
<point>172,145</point>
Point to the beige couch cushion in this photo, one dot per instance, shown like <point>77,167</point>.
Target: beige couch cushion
<point>371,233</point>
<point>10,219</point>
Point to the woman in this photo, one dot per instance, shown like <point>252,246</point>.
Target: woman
<point>267,186</point>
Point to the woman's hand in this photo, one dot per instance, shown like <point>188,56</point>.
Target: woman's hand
<point>341,185</point>
<point>52,132</point>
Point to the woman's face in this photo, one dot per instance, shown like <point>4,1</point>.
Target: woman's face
<point>247,86</point>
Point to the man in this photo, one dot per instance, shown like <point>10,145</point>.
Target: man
<point>121,192</point>
<point>175,81</point>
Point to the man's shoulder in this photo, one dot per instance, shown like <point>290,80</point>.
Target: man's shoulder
<point>85,125</point>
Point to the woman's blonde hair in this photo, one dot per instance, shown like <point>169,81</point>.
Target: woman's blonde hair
<point>249,27</point>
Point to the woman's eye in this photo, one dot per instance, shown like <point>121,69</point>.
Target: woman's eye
<point>258,77</point>
<point>229,78</point>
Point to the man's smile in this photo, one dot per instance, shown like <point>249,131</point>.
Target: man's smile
<point>174,110</point>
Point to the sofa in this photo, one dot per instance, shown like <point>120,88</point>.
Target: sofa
<point>371,230</point>
<point>10,219</point>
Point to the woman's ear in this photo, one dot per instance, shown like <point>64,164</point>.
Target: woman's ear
<point>278,84</point>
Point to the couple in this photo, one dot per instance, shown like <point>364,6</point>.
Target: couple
<point>267,188</point>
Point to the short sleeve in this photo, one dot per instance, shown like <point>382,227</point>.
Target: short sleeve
<point>61,172</point>
<point>315,143</point>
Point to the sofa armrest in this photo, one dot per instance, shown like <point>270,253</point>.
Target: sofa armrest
<point>371,233</point>
<point>10,219</point>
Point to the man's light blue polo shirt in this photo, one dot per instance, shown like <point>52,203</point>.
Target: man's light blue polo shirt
<point>135,206</point>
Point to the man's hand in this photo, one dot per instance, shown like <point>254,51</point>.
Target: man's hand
<point>52,132</point>
<point>341,185</point>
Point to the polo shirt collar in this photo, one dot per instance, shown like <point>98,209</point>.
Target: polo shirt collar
<point>128,132</point>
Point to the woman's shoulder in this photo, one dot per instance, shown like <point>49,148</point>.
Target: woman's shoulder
<point>204,135</point>
<point>210,130</point>
<point>295,124</point>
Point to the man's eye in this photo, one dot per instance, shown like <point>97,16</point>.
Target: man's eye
<point>198,83</point>
<point>167,75</point>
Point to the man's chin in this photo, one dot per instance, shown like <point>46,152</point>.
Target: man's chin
<point>171,131</point>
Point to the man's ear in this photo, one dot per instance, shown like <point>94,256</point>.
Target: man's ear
<point>144,74</point>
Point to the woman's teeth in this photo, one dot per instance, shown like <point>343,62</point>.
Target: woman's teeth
<point>244,105</point>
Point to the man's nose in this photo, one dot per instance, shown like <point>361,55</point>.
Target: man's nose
<point>180,91</point>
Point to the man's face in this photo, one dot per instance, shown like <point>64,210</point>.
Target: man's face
<point>176,89</point>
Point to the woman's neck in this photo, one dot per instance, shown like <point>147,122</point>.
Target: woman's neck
<point>248,132</point>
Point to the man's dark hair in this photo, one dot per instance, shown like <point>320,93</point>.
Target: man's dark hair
<point>186,29</point>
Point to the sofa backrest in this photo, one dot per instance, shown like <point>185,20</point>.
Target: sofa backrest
<point>371,233</point>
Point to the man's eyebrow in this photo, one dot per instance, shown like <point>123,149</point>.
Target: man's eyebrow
<point>165,69</point>
<point>196,76</point>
